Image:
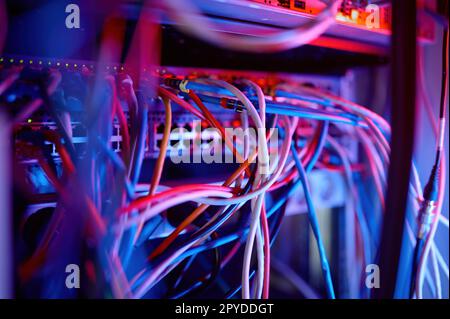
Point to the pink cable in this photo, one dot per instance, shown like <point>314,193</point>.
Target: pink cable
<point>265,228</point>
<point>144,201</point>
<point>10,79</point>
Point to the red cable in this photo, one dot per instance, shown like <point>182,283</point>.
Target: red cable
<point>164,92</point>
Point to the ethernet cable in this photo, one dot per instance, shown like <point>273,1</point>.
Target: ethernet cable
<point>372,135</point>
<point>315,226</point>
<point>434,189</point>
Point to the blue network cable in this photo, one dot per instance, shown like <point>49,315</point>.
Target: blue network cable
<point>314,225</point>
<point>290,110</point>
<point>281,201</point>
<point>224,240</point>
<point>136,166</point>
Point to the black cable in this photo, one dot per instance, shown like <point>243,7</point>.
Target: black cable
<point>180,270</point>
<point>403,72</point>
<point>444,81</point>
<point>205,282</point>
<point>431,190</point>
<point>415,261</point>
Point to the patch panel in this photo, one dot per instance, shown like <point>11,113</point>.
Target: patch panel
<point>79,138</point>
<point>182,121</point>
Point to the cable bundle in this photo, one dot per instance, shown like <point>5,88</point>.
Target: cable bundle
<point>116,220</point>
<point>309,125</point>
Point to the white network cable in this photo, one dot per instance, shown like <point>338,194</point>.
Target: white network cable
<point>191,20</point>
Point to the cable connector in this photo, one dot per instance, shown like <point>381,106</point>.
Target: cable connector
<point>431,190</point>
<point>430,196</point>
<point>183,86</point>
<point>426,218</point>
<point>231,105</point>
<point>177,84</point>
<point>172,82</point>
